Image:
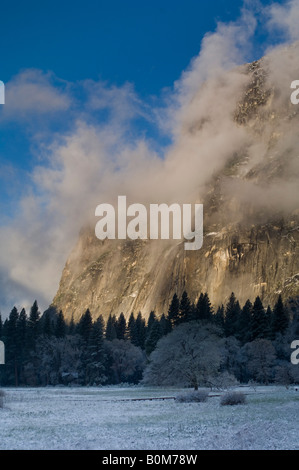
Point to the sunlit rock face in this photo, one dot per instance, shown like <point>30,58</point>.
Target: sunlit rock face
<point>251,221</point>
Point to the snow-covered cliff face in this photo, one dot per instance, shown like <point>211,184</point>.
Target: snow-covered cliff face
<point>251,216</point>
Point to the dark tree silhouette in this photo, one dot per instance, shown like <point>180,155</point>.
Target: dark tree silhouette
<point>110,333</point>
<point>174,309</point>
<point>259,320</point>
<point>280,317</point>
<point>121,327</point>
<point>232,313</point>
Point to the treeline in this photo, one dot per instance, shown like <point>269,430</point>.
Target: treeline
<point>46,350</point>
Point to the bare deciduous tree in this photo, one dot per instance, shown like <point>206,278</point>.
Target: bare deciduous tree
<point>126,359</point>
<point>189,356</point>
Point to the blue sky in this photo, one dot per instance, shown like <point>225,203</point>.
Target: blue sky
<point>74,68</point>
<point>145,42</point>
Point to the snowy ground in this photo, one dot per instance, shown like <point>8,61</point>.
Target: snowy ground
<point>108,419</point>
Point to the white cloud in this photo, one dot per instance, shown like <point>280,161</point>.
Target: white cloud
<point>285,18</point>
<point>121,102</point>
<point>33,92</point>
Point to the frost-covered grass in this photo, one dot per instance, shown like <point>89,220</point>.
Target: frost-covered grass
<point>111,418</point>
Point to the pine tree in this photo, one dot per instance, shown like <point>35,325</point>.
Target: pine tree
<point>165,324</point>
<point>218,318</point>
<point>121,327</point>
<point>243,333</point>
<point>153,337</point>
<point>185,310</point>
<point>174,309</point>
<point>293,306</point>
<point>33,325</point>
<point>21,341</point>
<point>11,350</point>
<point>34,314</point>
<point>137,330</point>
<point>151,320</point>
<point>60,327</point>
<point>259,321</point>
<point>94,357</point>
<point>203,310</point>
<point>140,331</point>
<point>110,333</point>
<point>280,317</point>
<point>198,309</point>
<point>22,324</point>
<point>269,316</point>
<point>85,325</point>
<point>131,333</point>
<point>232,313</point>
<point>47,324</point>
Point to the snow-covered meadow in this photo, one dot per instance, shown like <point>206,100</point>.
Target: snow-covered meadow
<point>114,418</point>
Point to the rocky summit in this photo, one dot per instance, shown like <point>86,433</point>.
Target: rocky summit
<point>251,217</point>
